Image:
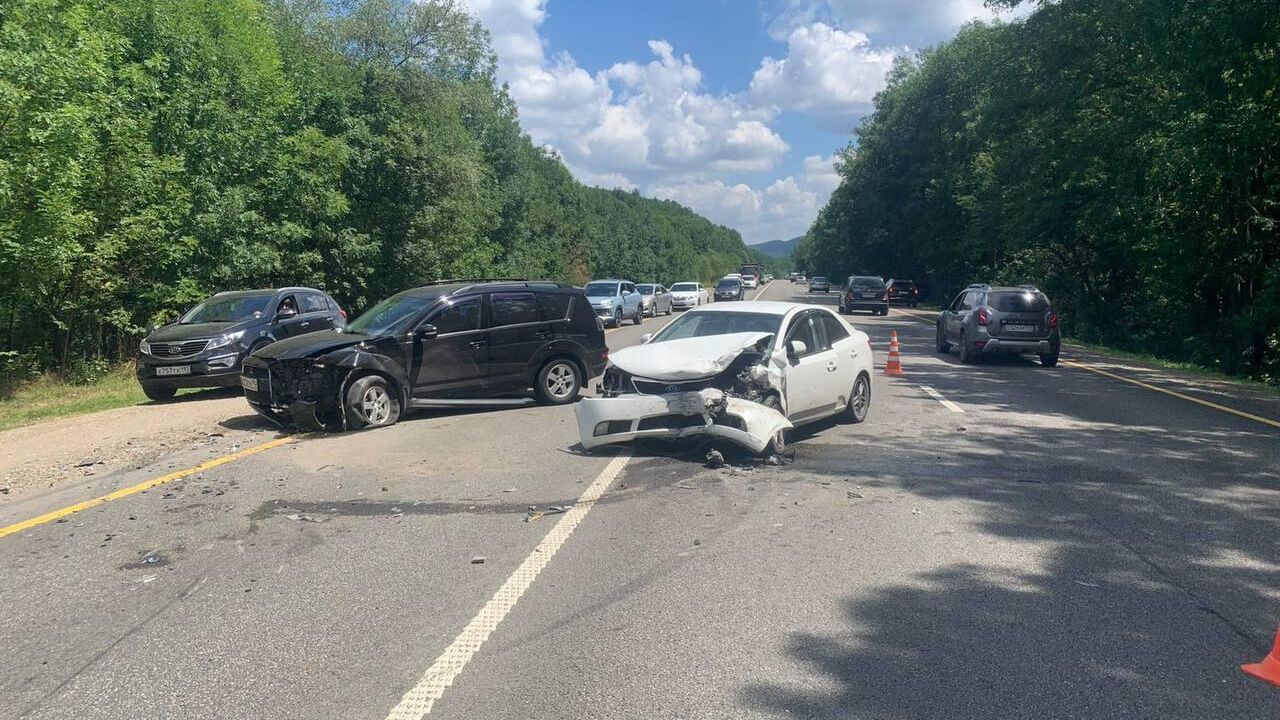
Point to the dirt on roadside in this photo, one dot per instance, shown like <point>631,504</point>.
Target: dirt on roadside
<point>67,449</point>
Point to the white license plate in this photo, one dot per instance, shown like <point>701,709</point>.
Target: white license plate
<point>249,383</point>
<point>1020,328</point>
<point>868,295</point>
<point>165,370</point>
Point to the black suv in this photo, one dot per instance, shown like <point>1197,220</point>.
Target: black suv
<point>864,292</point>
<point>205,347</point>
<point>447,344</point>
<point>984,320</point>
<point>902,291</point>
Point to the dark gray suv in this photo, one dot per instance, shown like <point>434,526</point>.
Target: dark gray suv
<point>205,346</point>
<point>984,320</point>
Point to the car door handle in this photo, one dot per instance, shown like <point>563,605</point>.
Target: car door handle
<point>832,367</point>
<point>479,344</point>
<point>305,323</point>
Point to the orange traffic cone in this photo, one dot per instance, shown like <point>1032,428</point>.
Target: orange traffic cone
<point>894,366</point>
<point>1269,668</point>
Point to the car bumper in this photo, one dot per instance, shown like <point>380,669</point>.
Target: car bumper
<point>865,304</point>
<point>727,297</point>
<point>708,413</point>
<point>1000,345</point>
<point>218,370</point>
<point>820,288</point>
<point>684,302</point>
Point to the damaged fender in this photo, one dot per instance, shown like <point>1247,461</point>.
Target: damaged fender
<point>709,412</point>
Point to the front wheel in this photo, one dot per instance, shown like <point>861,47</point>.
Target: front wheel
<point>617,318</point>
<point>370,402</point>
<point>558,382</point>
<point>639,318</point>
<point>778,443</point>
<point>158,393</point>
<point>859,400</point>
<point>941,343</point>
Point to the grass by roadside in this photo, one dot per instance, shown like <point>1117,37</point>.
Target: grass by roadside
<point>1182,367</point>
<point>51,397</point>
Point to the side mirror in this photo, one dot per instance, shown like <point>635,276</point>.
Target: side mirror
<point>426,332</point>
<point>796,348</point>
<point>646,338</point>
<point>285,313</point>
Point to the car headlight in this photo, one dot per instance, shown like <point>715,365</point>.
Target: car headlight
<point>225,339</point>
<point>144,347</point>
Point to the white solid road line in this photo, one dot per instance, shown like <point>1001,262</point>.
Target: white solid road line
<point>945,402</point>
<point>418,701</point>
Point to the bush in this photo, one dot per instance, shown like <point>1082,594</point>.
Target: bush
<point>86,371</point>
<point>16,369</point>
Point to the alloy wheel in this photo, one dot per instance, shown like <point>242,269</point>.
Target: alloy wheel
<point>561,380</point>
<point>376,405</point>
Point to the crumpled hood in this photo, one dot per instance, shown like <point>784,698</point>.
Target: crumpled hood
<point>685,359</point>
<point>311,344</point>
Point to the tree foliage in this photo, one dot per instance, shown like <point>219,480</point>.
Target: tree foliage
<point>155,151</point>
<point>1123,154</point>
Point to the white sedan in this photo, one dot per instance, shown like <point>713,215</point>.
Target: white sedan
<point>685,295</point>
<point>742,372</point>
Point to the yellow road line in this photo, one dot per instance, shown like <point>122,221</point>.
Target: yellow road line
<point>146,485</point>
<point>1149,386</point>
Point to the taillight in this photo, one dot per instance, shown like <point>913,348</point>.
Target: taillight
<point>983,317</point>
<point>343,313</point>
<point>1053,319</point>
<point>915,292</point>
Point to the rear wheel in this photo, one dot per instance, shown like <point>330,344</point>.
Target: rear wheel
<point>159,393</point>
<point>371,402</point>
<point>966,349</point>
<point>1049,360</point>
<point>859,400</point>
<point>558,382</point>
<point>941,342</point>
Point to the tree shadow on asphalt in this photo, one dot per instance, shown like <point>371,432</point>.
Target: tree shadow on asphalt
<point>1151,568</point>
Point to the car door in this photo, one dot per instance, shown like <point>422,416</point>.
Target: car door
<point>841,342</point>
<point>630,299</point>
<point>951,322</point>
<point>453,360</point>
<point>516,332</point>
<point>288,320</point>
<point>809,373</point>
<point>315,312</point>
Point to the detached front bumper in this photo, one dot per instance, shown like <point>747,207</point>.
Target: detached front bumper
<point>710,412</point>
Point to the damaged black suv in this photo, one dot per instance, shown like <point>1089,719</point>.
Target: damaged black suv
<point>447,344</point>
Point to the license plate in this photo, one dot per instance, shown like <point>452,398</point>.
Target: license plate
<point>1020,328</point>
<point>249,383</point>
<point>868,295</point>
<point>164,370</point>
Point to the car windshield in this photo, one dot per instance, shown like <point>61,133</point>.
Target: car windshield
<point>598,290</point>
<point>819,279</point>
<point>1018,301</point>
<point>391,315</point>
<point>684,287</point>
<point>645,289</point>
<point>728,285</point>
<point>235,308</point>
<point>705,324</point>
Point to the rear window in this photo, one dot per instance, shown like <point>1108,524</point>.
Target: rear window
<point>555,306</point>
<point>862,281</point>
<point>903,284</point>
<point>513,309</point>
<point>819,279</point>
<point>1018,301</point>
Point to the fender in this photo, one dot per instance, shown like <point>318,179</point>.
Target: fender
<point>559,346</point>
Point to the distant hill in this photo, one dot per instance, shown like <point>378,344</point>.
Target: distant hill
<point>777,248</point>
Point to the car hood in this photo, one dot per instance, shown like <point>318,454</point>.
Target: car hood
<point>685,359</point>
<point>193,331</point>
<point>311,345</point>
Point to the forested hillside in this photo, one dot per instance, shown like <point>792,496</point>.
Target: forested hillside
<point>1124,154</point>
<point>154,151</point>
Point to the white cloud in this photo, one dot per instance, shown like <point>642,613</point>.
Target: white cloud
<point>783,209</point>
<point>925,22</point>
<point>827,71</point>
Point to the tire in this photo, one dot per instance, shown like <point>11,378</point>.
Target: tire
<point>639,317</point>
<point>778,444</point>
<point>371,402</point>
<point>940,342</point>
<point>914,305</point>
<point>617,318</point>
<point>653,312</point>
<point>859,404</point>
<point>1050,360</point>
<point>558,382</point>
<point>966,351</point>
<point>158,393</point>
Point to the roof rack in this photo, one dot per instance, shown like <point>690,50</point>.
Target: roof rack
<point>977,285</point>
<point>469,283</point>
<point>1029,286</point>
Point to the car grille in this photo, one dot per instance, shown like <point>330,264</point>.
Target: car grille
<point>651,387</point>
<point>182,349</point>
<point>670,422</point>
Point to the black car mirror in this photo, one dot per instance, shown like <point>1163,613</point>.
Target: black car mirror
<point>428,331</point>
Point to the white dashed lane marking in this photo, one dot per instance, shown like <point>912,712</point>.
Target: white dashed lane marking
<point>945,402</point>
<point>418,701</point>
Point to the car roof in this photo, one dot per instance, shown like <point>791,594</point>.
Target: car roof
<point>607,280</point>
<point>764,307</point>
<point>457,287</point>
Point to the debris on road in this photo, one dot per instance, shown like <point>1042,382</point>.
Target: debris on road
<point>305,518</point>
<point>478,560</point>
<point>853,495</point>
<point>534,513</point>
<point>715,459</point>
<point>86,462</point>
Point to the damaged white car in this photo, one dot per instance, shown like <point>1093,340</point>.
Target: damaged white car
<point>721,371</point>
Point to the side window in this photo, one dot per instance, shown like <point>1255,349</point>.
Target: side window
<point>513,309</point>
<point>661,290</point>
<point>966,301</point>
<point>461,316</point>
<point>554,306</point>
<point>628,288</point>
<point>314,303</point>
<point>835,329</point>
<point>802,330</point>
<point>288,302</point>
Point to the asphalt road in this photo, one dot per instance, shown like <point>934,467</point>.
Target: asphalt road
<point>1054,543</point>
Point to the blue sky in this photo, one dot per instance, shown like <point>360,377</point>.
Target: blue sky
<point>731,107</point>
